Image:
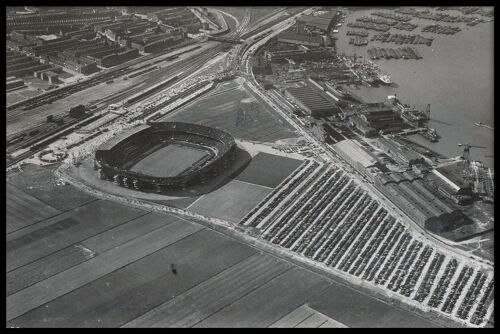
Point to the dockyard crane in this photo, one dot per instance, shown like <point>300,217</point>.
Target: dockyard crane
<point>466,156</point>
<point>428,111</point>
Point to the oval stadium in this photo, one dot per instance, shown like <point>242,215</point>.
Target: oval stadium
<point>165,155</point>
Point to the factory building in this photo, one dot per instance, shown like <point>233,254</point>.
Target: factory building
<point>379,116</point>
<point>356,155</point>
<point>298,55</point>
<point>362,126</point>
<point>14,83</point>
<point>408,192</point>
<point>323,22</point>
<point>401,154</point>
<point>311,101</point>
<point>294,38</point>
<point>451,184</point>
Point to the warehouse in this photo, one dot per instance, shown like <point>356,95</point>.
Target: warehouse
<point>417,200</point>
<point>401,154</point>
<point>356,155</point>
<point>320,22</point>
<point>312,102</point>
<point>293,38</point>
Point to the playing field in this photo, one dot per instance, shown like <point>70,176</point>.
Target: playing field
<point>230,202</point>
<point>170,160</point>
<point>238,112</point>
<point>268,169</point>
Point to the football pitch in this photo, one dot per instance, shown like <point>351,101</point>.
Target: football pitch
<point>169,161</point>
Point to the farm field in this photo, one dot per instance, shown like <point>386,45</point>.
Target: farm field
<point>270,302</point>
<point>236,111</point>
<point>40,183</point>
<point>268,170</point>
<point>221,290</point>
<point>230,202</point>
<point>24,209</point>
<point>104,264</point>
<point>355,309</point>
<point>306,317</point>
<point>169,161</point>
<point>51,235</point>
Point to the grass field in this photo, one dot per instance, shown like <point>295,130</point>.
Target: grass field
<point>104,264</point>
<point>268,170</point>
<point>40,183</point>
<point>24,209</point>
<point>219,291</point>
<point>232,110</point>
<point>270,302</point>
<point>230,202</point>
<point>126,293</point>
<point>306,317</point>
<point>52,235</point>
<point>169,161</point>
<point>355,309</point>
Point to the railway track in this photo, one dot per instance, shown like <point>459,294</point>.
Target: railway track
<point>45,130</point>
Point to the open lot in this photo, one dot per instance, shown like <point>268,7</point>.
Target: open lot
<point>236,111</point>
<point>230,202</point>
<point>24,209</point>
<point>268,170</point>
<point>170,160</point>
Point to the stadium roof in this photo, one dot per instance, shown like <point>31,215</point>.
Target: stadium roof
<point>356,152</point>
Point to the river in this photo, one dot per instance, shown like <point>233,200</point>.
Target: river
<point>455,76</point>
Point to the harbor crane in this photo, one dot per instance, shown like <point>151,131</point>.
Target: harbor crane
<point>466,157</point>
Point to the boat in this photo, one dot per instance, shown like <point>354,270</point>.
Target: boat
<point>431,135</point>
<point>385,79</point>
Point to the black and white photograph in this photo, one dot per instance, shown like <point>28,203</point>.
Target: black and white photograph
<point>249,166</point>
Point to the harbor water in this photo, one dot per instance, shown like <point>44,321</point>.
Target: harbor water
<point>455,76</point>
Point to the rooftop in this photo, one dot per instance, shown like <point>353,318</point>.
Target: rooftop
<point>356,152</point>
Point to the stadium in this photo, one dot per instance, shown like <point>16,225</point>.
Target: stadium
<point>161,156</point>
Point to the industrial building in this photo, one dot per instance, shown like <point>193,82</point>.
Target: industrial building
<point>414,198</point>
<point>311,101</point>
<point>379,117</point>
<point>451,183</point>
<point>14,83</point>
<point>362,126</point>
<point>298,54</point>
<point>294,38</point>
<point>356,155</point>
<point>401,154</point>
<point>322,22</point>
